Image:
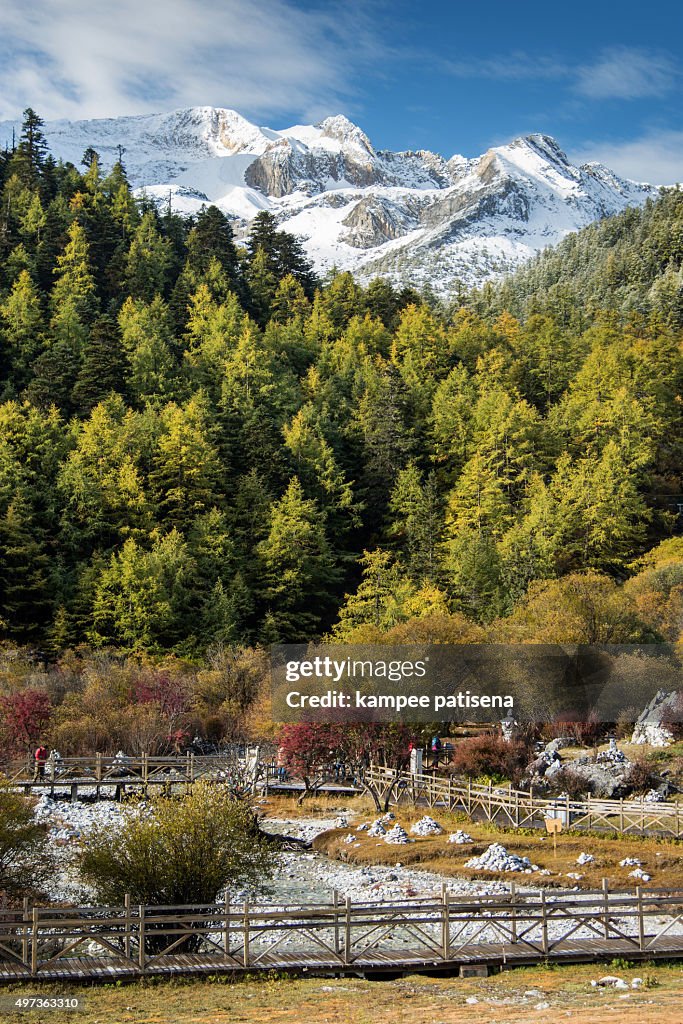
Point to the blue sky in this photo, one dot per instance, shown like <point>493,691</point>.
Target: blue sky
<point>605,79</point>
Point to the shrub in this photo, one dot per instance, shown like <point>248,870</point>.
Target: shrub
<point>24,859</point>
<point>642,776</point>
<point>25,716</point>
<point>489,754</point>
<point>179,851</point>
<point>570,783</point>
<point>586,733</point>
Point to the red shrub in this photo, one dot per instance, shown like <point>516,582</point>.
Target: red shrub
<point>489,754</point>
<point>26,715</point>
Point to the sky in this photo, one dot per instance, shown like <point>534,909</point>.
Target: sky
<point>605,79</point>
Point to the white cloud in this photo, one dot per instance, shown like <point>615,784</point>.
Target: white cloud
<point>625,73</point>
<point>79,58</point>
<point>516,66</point>
<point>656,157</point>
<point>621,72</point>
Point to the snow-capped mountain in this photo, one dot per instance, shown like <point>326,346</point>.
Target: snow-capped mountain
<point>414,217</point>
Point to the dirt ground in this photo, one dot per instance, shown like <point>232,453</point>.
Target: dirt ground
<point>521,996</point>
<point>662,859</point>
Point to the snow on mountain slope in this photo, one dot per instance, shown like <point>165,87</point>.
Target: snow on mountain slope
<point>413,217</point>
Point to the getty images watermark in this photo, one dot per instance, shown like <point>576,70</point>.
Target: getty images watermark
<point>468,682</point>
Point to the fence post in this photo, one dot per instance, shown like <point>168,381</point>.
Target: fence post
<point>544,925</point>
<point>24,933</point>
<point>335,897</point>
<point>192,767</point>
<point>605,903</point>
<point>621,814</point>
<point>513,911</point>
<point>98,766</point>
<point>469,795</point>
<point>34,941</point>
<point>141,937</point>
<point>347,932</point>
<point>126,934</point>
<point>226,929</point>
<point>246,933</point>
<point>641,921</point>
<point>445,923</point>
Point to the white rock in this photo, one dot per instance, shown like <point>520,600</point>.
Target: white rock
<point>460,837</point>
<point>426,827</point>
<point>397,836</point>
<point>585,858</point>
<point>497,858</point>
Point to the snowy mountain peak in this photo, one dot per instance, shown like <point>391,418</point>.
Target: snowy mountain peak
<point>413,217</point>
<point>346,132</point>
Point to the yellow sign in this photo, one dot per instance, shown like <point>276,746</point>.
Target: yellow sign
<point>552,827</point>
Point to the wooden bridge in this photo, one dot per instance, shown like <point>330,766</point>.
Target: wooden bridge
<point>340,937</point>
<point>509,807</point>
<point>106,775</point>
<point>247,772</point>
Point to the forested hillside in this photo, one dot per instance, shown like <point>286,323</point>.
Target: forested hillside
<point>631,263</point>
<point>202,444</point>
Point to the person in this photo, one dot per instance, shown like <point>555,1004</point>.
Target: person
<point>436,750</point>
<point>281,764</point>
<point>40,758</point>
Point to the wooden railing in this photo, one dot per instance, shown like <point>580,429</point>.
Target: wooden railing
<point>141,769</point>
<point>502,805</point>
<point>48,942</point>
<point>507,806</point>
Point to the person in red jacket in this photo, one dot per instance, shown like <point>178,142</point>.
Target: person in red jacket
<point>39,758</point>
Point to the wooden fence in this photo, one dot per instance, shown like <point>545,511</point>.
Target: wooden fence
<point>504,805</point>
<point>90,942</point>
<point>139,771</point>
<point>248,771</point>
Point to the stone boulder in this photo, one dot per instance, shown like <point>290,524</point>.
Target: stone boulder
<point>654,724</point>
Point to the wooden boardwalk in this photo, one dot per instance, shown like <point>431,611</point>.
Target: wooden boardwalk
<point>248,773</point>
<point>341,937</point>
<point>509,807</point>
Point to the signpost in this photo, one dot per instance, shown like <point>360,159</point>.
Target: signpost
<point>552,827</point>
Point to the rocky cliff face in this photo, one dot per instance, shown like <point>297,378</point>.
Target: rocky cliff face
<point>414,217</point>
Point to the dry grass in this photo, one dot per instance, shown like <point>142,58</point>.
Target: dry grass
<point>521,996</point>
<point>662,859</point>
<point>323,806</point>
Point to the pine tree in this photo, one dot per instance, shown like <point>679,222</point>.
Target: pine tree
<point>22,327</point>
<point>296,563</point>
<point>75,282</point>
<point>25,597</point>
<point>102,366</point>
<point>212,238</point>
<point>29,158</point>
<point>149,261</point>
<point>186,467</point>
<point>146,339</point>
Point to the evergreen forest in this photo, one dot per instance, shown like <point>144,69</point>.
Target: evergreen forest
<point>204,446</point>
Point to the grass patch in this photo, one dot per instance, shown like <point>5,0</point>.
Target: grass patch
<point>661,858</point>
<point>511,996</point>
